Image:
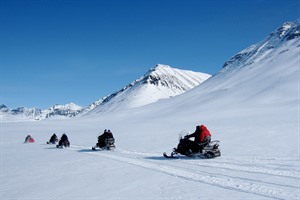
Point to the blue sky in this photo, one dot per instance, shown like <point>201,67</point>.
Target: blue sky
<point>57,52</point>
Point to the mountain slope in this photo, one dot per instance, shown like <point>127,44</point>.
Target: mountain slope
<point>160,82</point>
<point>267,72</point>
<point>276,43</point>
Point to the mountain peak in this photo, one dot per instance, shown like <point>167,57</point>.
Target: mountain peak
<point>287,32</point>
<point>282,30</point>
<point>69,106</point>
<point>160,82</point>
<point>161,66</point>
<point>2,106</point>
<point>175,79</point>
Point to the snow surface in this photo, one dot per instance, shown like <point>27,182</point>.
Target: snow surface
<point>251,107</point>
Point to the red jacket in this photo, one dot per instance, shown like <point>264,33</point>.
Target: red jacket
<point>204,133</point>
<point>200,134</point>
<point>28,139</point>
<point>31,140</point>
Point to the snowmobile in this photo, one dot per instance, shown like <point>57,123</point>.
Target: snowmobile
<point>107,144</point>
<point>64,142</point>
<point>187,147</point>
<point>53,139</point>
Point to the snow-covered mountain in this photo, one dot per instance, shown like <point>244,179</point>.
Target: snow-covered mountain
<point>160,82</point>
<point>20,112</point>
<point>67,110</point>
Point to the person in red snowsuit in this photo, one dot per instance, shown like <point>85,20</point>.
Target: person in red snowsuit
<point>202,138</point>
<point>29,139</point>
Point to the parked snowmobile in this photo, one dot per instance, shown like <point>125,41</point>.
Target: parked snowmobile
<point>106,141</point>
<point>187,147</point>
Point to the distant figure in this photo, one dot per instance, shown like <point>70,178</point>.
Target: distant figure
<point>29,139</point>
<point>64,141</point>
<point>53,139</point>
<point>106,140</point>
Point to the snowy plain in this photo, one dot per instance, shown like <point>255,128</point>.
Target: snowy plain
<point>253,109</point>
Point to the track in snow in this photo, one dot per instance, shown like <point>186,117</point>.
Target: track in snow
<point>275,178</point>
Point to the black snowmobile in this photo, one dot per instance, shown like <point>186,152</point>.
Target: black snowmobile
<point>106,141</point>
<point>188,148</point>
<point>63,142</point>
<point>53,139</point>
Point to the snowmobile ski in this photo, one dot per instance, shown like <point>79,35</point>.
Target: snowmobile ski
<point>97,148</point>
<point>171,156</point>
<point>51,142</point>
